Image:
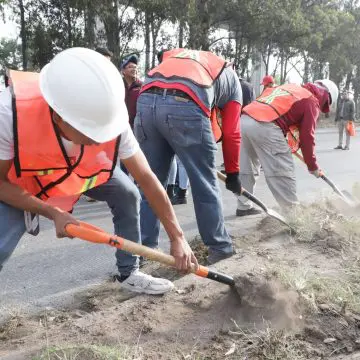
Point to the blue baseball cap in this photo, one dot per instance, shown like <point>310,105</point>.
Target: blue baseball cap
<point>130,59</point>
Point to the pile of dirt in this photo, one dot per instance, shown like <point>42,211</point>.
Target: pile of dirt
<point>268,299</point>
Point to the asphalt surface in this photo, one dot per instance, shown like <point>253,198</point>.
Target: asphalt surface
<point>45,271</point>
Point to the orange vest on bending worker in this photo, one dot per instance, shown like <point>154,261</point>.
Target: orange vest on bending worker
<point>41,165</point>
<point>273,103</point>
<point>200,67</point>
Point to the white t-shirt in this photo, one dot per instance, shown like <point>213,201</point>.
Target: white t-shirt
<point>128,144</point>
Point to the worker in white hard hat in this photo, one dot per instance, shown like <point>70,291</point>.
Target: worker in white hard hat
<point>61,134</point>
<point>287,111</point>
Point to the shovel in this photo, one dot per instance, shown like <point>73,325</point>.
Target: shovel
<point>258,202</point>
<point>345,196</point>
<point>94,234</point>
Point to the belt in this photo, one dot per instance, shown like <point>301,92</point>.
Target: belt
<point>171,92</point>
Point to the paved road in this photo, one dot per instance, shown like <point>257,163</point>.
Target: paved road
<point>45,271</point>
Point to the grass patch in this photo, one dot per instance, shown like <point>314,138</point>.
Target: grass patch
<point>89,352</point>
<point>315,290</point>
<point>267,344</point>
<point>322,222</point>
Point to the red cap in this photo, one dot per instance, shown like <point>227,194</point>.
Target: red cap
<point>268,79</point>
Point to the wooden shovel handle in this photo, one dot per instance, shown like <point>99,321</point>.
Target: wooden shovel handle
<point>94,234</point>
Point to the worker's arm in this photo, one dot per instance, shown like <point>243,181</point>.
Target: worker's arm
<point>155,193</point>
<point>230,115</point>
<point>231,144</point>
<point>307,134</point>
<point>18,198</point>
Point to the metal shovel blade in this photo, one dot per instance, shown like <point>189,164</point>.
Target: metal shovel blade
<point>350,198</point>
<point>259,203</point>
<point>274,214</point>
<point>346,196</point>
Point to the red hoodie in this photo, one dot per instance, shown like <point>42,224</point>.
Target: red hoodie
<point>304,114</point>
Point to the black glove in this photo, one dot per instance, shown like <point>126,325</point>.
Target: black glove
<point>233,182</point>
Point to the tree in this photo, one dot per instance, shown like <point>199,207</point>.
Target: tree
<point>10,55</point>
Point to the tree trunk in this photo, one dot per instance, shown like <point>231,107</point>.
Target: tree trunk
<point>281,66</point>
<point>348,80</point>
<point>89,19</point>
<point>181,33</point>
<point>155,28</point>
<point>147,42</point>
<point>111,24</point>
<point>245,63</point>
<point>69,26</point>
<point>23,36</point>
<point>199,26</point>
<point>306,77</point>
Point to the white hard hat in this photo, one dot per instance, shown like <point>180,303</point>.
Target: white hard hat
<point>87,91</point>
<point>332,89</point>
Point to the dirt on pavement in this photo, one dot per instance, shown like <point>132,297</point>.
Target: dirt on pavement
<point>296,297</point>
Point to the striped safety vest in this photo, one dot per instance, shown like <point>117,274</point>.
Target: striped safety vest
<point>41,165</point>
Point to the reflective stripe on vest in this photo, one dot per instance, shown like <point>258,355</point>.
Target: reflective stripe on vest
<point>200,67</point>
<point>41,164</point>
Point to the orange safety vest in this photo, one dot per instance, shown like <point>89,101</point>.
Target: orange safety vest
<point>200,67</point>
<point>41,165</point>
<point>275,102</point>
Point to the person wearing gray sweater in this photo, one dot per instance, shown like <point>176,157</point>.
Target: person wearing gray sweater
<point>347,113</point>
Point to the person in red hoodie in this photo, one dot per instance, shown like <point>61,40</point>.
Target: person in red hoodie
<point>285,111</point>
<point>129,71</point>
<point>176,114</point>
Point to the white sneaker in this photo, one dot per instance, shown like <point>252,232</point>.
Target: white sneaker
<point>143,283</point>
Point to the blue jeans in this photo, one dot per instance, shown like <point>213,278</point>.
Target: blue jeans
<point>165,126</point>
<point>121,195</point>
<point>178,167</point>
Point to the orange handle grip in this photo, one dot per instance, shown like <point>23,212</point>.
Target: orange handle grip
<point>94,234</point>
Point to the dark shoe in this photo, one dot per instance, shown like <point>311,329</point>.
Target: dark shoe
<point>247,212</point>
<point>338,148</point>
<point>170,191</point>
<point>346,148</point>
<point>180,198</point>
<point>216,256</point>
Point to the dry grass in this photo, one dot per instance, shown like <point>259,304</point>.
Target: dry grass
<point>267,344</point>
<point>315,289</point>
<point>89,352</point>
<point>321,221</point>
<point>13,320</point>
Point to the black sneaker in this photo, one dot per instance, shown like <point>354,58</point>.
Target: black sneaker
<point>171,191</point>
<point>247,212</point>
<point>338,148</point>
<point>346,148</point>
<point>180,198</point>
<point>216,256</point>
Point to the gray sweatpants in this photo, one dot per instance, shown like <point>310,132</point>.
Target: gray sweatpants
<point>263,143</point>
<point>342,128</point>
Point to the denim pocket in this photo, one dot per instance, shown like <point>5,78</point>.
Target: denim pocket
<point>139,129</point>
<point>185,131</point>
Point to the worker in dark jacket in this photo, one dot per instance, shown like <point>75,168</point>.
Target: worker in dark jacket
<point>347,113</point>
<point>129,70</point>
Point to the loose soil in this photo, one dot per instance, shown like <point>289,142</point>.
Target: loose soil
<point>296,297</point>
